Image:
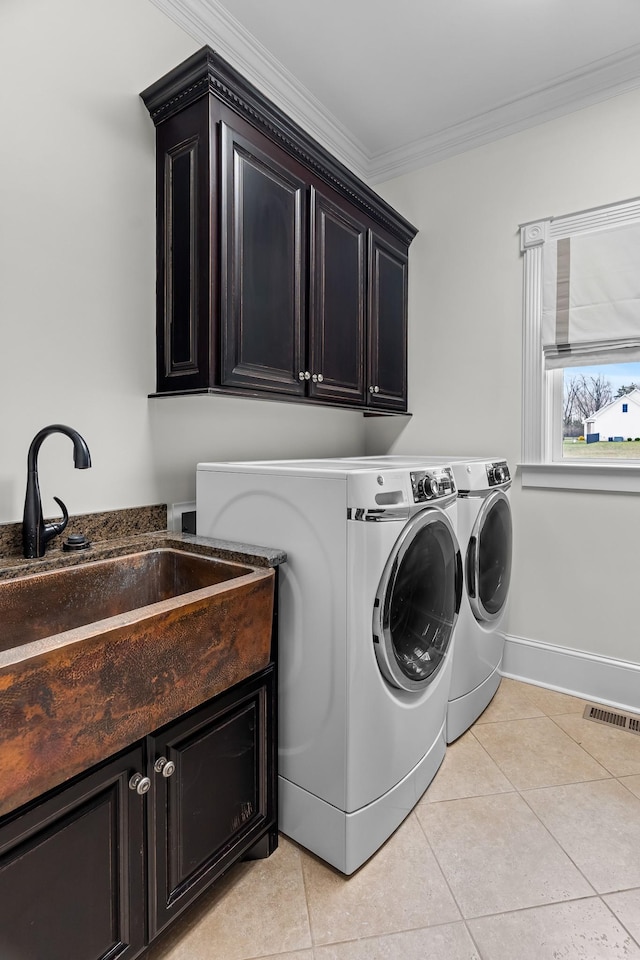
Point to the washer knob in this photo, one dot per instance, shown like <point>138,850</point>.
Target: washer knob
<point>428,486</point>
<point>499,474</point>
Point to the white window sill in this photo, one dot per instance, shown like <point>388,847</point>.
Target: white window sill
<point>596,475</point>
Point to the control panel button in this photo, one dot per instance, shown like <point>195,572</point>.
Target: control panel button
<point>432,485</point>
<point>498,473</point>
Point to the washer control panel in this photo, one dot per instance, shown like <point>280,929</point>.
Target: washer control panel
<point>498,473</point>
<point>432,484</point>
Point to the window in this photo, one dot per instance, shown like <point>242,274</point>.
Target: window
<point>582,350</point>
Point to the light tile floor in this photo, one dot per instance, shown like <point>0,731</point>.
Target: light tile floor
<point>526,846</point>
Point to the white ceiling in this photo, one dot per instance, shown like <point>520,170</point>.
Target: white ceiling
<point>392,85</point>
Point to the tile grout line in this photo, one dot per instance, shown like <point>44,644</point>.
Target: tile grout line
<point>435,857</point>
<point>306,900</point>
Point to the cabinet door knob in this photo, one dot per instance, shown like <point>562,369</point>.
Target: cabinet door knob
<point>307,375</point>
<point>315,377</point>
<point>164,766</point>
<point>376,389</point>
<point>370,389</point>
<point>139,783</point>
<point>301,375</point>
<point>320,378</point>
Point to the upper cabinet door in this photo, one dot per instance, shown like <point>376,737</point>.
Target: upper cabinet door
<point>263,267</point>
<point>387,386</point>
<point>336,302</point>
<point>186,356</point>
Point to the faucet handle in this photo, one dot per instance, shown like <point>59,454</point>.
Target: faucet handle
<point>53,529</point>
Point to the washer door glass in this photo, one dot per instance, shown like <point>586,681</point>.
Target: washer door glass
<point>489,558</point>
<point>417,601</point>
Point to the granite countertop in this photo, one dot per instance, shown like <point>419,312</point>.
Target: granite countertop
<point>120,532</point>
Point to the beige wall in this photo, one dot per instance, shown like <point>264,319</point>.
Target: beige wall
<point>576,557</point>
<point>77,272</point>
<point>77,278</point>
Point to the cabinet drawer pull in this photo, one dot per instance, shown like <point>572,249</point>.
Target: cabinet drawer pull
<point>139,783</point>
<point>164,766</point>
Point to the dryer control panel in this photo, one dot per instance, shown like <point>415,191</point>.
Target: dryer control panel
<point>433,484</point>
<point>498,473</point>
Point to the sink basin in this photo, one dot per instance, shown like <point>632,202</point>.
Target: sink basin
<point>95,656</point>
<point>72,597</point>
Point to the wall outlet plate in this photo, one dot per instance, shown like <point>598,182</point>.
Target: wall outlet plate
<point>175,515</point>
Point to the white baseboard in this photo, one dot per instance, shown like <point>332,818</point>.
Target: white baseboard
<point>615,683</point>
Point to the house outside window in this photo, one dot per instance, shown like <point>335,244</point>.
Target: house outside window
<point>581,364</point>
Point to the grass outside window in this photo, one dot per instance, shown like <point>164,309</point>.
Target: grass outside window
<point>601,450</point>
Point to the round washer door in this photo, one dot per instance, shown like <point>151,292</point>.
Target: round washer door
<point>488,566</point>
<point>417,602</point>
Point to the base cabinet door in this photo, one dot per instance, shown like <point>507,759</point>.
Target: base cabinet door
<point>72,871</point>
<point>218,798</point>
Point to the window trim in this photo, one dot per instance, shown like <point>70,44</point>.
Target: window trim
<point>541,464</point>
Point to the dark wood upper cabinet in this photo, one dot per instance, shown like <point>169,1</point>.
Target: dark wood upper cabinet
<point>280,273</point>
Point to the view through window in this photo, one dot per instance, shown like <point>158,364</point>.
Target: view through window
<point>601,412</point>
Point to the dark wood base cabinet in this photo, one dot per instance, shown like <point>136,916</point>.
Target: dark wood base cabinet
<point>95,869</point>
<point>280,274</point>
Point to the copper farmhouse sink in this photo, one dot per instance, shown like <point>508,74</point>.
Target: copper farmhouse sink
<point>95,656</point>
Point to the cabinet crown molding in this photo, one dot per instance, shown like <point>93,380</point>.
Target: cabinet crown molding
<point>206,72</point>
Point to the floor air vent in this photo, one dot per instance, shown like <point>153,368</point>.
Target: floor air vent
<point>624,721</point>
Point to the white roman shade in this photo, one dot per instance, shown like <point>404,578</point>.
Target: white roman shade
<point>591,298</point>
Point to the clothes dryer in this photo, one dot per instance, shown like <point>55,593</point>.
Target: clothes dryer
<point>368,602</point>
<point>485,531</point>
<point>485,535</point>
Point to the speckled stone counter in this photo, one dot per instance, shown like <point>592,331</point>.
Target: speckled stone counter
<point>114,533</point>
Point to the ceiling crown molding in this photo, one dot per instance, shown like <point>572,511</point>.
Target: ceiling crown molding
<point>208,22</point>
<point>598,81</point>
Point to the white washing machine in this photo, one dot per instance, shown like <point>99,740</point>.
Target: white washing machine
<point>368,601</point>
<point>485,535</point>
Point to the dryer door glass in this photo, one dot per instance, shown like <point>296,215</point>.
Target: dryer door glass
<point>489,558</point>
<point>418,601</point>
